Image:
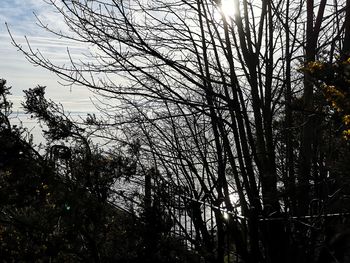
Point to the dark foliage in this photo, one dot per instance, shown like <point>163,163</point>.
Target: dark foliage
<point>54,207</point>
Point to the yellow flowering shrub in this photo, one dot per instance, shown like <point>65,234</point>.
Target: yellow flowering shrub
<point>335,97</point>
<point>346,119</point>
<point>346,134</point>
<point>334,81</point>
<point>314,66</point>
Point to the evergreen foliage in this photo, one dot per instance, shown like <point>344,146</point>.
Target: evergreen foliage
<point>54,206</point>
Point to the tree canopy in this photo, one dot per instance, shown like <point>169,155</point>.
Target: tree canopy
<point>219,114</point>
<point>56,204</point>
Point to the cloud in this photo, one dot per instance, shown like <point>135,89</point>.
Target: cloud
<point>21,15</point>
<point>20,74</point>
<point>17,15</point>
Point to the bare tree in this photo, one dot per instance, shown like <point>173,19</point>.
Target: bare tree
<point>203,92</point>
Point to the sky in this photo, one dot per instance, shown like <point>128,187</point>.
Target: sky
<point>19,73</point>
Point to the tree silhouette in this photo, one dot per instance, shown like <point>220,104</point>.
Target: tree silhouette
<point>217,106</point>
<point>56,206</point>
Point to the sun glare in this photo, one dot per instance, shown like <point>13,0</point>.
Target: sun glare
<point>227,7</point>
<point>226,216</point>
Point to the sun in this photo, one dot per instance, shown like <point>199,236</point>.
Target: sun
<point>228,8</point>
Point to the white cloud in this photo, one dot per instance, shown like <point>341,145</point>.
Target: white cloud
<point>19,73</point>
